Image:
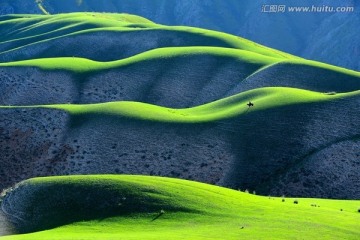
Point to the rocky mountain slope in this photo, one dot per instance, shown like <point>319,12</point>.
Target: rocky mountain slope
<point>160,104</point>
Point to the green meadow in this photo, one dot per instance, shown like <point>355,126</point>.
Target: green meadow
<point>165,208</point>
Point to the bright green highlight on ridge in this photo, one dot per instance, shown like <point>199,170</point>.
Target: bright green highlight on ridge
<point>82,65</point>
<point>32,29</point>
<point>263,99</point>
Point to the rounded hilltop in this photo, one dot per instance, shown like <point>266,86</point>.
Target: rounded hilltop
<point>133,207</point>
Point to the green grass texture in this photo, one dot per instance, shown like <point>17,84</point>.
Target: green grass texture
<point>164,208</point>
<point>83,65</point>
<point>262,98</point>
<point>23,30</point>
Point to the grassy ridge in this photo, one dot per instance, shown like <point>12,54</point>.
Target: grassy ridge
<point>209,212</point>
<point>18,31</point>
<point>32,29</point>
<point>81,65</point>
<point>263,98</point>
<point>29,26</point>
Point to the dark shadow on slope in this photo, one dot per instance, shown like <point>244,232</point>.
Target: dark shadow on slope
<point>176,81</point>
<point>299,76</point>
<point>272,143</point>
<point>40,206</point>
<point>6,227</point>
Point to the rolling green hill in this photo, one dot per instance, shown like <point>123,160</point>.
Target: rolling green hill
<point>92,36</point>
<point>96,93</point>
<point>174,77</point>
<point>216,142</point>
<point>138,207</point>
<point>89,93</point>
<point>234,106</point>
<point>311,36</point>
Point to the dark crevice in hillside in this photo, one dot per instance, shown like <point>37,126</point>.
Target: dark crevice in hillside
<point>150,93</point>
<point>213,81</point>
<point>263,143</point>
<point>298,162</point>
<point>306,157</point>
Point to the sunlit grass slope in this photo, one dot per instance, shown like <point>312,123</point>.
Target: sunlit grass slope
<point>20,26</point>
<point>252,60</point>
<point>18,31</point>
<point>263,98</point>
<point>163,208</point>
<point>82,65</point>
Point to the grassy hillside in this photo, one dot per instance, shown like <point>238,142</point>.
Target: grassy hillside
<point>36,32</point>
<point>97,57</point>
<point>138,207</point>
<point>307,35</point>
<point>97,93</point>
<point>172,101</point>
<point>234,106</point>
<point>175,77</point>
<point>82,65</point>
<point>222,142</point>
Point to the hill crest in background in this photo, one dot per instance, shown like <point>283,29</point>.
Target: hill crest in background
<point>326,37</point>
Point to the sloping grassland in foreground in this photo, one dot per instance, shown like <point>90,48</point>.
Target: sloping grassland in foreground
<point>140,207</point>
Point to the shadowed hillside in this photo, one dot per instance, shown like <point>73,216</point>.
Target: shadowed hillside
<point>5,227</point>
